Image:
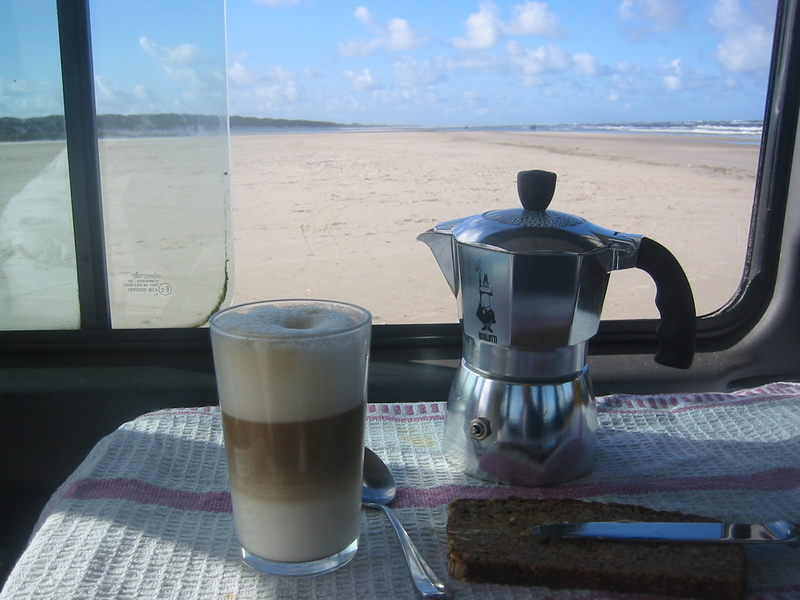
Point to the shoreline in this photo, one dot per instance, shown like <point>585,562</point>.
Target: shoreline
<point>703,137</point>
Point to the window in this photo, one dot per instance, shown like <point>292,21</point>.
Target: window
<point>650,114</point>
<point>163,152</point>
<point>37,248</point>
<point>652,121</point>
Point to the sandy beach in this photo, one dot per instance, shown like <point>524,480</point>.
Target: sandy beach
<point>336,215</point>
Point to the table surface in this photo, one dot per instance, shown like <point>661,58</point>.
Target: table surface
<point>147,514</point>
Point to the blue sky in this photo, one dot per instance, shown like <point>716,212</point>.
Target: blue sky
<point>414,62</point>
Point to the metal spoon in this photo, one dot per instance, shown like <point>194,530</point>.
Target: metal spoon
<point>378,489</point>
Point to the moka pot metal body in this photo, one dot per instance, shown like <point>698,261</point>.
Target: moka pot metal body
<point>530,285</point>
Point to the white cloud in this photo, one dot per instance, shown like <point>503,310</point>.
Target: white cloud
<point>585,64</point>
<point>103,89</point>
<point>747,52</point>
<point>533,63</point>
<point>140,92</point>
<point>176,56</point>
<point>272,91</point>
<point>191,83</point>
<point>410,73</point>
<point>267,98</point>
<point>677,74</point>
<point>362,14</point>
<point>113,99</point>
<point>401,36</point>
<point>395,35</point>
<point>486,62</point>
<point>240,75</point>
<point>673,82</point>
<point>533,18</point>
<point>727,15</point>
<point>673,75</point>
<point>363,81</point>
<point>277,94</point>
<point>178,62</point>
<point>24,98</point>
<point>358,47</point>
<point>746,32</point>
<point>663,14</point>
<point>627,79</point>
<point>651,16</point>
<point>482,29</point>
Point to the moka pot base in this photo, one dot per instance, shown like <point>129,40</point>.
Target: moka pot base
<point>520,433</point>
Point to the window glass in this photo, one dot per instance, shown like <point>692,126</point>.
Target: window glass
<point>164,156</point>
<point>356,128</point>
<point>38,280</point>
<point>649,112</point>
<point>162,125</point>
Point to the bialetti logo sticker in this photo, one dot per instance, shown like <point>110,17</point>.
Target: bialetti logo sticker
<point>485,313</point>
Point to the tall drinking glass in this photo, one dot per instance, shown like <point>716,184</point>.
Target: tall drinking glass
<point>292,378</point>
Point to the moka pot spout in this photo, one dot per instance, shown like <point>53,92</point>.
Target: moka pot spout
<point>442,243</point>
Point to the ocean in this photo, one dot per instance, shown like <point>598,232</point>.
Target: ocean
<point>746,129</point>
<point>180,125</point>
<point>739,131</point>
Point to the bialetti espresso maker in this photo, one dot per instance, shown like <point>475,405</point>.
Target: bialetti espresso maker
<point>530,284</point>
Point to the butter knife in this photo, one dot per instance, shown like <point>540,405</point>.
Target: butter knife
<point>784,532</point>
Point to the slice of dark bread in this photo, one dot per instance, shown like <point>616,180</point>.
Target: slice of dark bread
<point>491,541</point>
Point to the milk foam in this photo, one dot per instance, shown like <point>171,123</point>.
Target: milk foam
<point>290,362</point>
<point>291,323</point>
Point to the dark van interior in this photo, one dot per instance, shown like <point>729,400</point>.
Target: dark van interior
<point>62,391</point>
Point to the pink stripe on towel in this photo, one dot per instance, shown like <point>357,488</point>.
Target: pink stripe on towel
<point>134,490</point>
<point>142,492</point>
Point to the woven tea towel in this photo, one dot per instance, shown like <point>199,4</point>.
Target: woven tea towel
<point>147,514</point>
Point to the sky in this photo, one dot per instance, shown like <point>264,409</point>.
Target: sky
<point>415,62</point>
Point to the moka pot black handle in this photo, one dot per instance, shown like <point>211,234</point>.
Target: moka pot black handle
<point>678,328</point>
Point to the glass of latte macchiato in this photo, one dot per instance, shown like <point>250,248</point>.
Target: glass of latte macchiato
<point>292,378</point>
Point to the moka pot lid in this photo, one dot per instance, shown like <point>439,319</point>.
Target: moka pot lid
<point>533,228</point>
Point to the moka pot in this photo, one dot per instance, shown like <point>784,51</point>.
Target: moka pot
<point>530,284</point>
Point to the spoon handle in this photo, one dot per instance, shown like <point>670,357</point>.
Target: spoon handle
<point>425,580</point>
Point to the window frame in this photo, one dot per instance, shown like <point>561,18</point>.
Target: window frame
<point>84,162</point>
